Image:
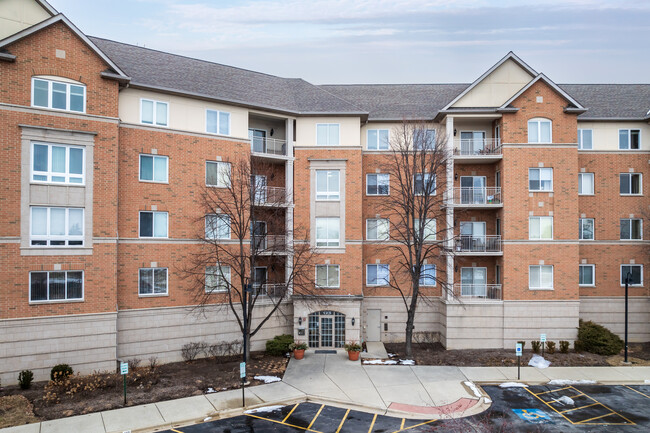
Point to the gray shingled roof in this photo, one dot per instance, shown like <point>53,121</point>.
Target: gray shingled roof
<point>611,101</point>
<point>172,72</point>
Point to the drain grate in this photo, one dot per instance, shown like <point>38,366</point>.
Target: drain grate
<point>325,352</point>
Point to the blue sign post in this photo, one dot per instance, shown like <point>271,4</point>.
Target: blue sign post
<point>519,350</point>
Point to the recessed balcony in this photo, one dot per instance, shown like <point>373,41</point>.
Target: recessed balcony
<point>472,245</point>
<point>270,196</point>
<point>268,245</point>
<point>268,147</point>
<point>478,292</point>
<point>476,197</point>
<point>477,150</point>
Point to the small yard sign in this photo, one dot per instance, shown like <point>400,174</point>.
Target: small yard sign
<point>242,370</point>
<point>519,349</point>
<point>124,368</point>
<point>542,338</point>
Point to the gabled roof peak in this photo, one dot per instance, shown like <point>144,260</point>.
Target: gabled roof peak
<point>558,89</point>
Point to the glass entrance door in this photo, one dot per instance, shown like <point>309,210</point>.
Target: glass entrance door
<point>326,329</point>
<point>258,140</point>
<point>472,189</point>
<point>472,236</point>
<point>472,142</point>
<point>473,282</point>
<point>258,184</point>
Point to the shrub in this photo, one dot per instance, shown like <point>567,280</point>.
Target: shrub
<point>134,363</point>
<point>279,345</point>
<point>536,345</point>
<point>577,346</point>
<point>60,371</point>
<point>550,346</point>
<point>25,379</point>
<point>564,346</point>
<point>523,344</point>
<point>190,351</point>
<point>352,346</point>
<point>598,339</point>
<point>153,363</point>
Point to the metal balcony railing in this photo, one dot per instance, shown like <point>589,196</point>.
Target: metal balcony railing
<point>478,244</point>
<point>477,147</point>
<point>490,292</point>
<point>269,146</point>
<point>270,243</point>
<point>476,196</point>
<point>273,290</point>
<point>270,195</point>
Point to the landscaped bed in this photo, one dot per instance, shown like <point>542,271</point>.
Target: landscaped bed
<point>146,384</point>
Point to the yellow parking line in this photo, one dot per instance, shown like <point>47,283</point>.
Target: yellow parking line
<point>596,417</point>
<point>177,431</point>
<point>577,395</point>
<point>402,425</point>
<point>317,413</point>
<point>606,407</point>
<point>549,404</point>
<point>639,392</point>
<point>289,414</point>
<point>372,424</point>
<point>553,390</point>
<point>282,422</point>
<point>416,425</point>
<point>343,420</point>
<point>577,408</point>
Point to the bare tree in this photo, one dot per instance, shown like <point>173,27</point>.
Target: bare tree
<point>245,236</point>
<point>416,166</point>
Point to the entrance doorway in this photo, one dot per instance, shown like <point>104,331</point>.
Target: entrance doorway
<point>327,329</point>
<point>373,330</point>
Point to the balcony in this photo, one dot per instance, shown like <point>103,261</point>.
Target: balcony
<point>478,292</point>
<point>477,197</point>
<point>477,150</point>
<point>468,245</point>
<point>271,244</point>
<point>263,146</point>
<point>272,290</point>
<point>271,196</point>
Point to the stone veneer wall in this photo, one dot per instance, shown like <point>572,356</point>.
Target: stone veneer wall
<point>393,312</point>
<point>610,312</point>
<point>525,320</point>
<point>477,325</point>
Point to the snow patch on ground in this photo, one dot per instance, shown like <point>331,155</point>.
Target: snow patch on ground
<point>568,401</point>
<point>571,382</point>
<point>379,362</point>
<point>646,381</point>
<point>512,385</point>
<point>207,419</point>
<point>264,409</point>
<point>268,379</point>
<point>539,362</point>
<point>210,391</point>
<point>391,355</point>
<point>474,388</point>
<point>407,362</point>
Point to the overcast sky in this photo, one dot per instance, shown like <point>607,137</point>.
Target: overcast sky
<point>386,41</point>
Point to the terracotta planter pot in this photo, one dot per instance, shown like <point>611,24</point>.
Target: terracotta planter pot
<point>353,355</point>
<point>299,353</point>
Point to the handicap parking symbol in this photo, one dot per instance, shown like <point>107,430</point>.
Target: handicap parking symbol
<point>533,416</point>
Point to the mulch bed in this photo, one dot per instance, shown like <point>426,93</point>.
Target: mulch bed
<point>104,391</point>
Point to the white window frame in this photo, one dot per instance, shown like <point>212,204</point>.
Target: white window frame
<point>630,220</point>
<point>153,294</point>
<point>629,138</point>
<point>67,94</point>
<point>219,113</point>
<point>49,237</point>
<point>83,288</point>
<point>329,242</point>
<point>378,132</point>
<point>581,229</point>
<point>49,173</point>
<point>430,225</point>
<point>153,175</point>
<point>378,265</point>
<point>386,175</point>
<point>593,275</point>
<point>540,170</point>
<point>154,114</point>
<point>581,139</point>
<point>220,164</point>
<point>329,139</point>
<point>581,176</point>
<point>222,218</point>
<point>539,219</point>
<point>328,195</point>
<point>623,279</point>
<point>425,180</point>
<point>327,278</point>
<point>423,275</point>
<point>377,220</point>
<point>425,133</point>
<point>220,283</point>
<point>153,222</point>
<point>629,181</point>
<point>538,121</point>
<point>530,286</point>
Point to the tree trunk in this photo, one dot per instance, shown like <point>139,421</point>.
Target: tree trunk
<point>409,334</point>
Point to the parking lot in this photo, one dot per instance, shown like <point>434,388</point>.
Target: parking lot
<point>591,408</point>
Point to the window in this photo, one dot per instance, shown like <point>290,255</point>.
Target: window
<point>152,281</point>
<point>327,185</point>
<point>217,226</point>
<point>217,174</point>
<point>56,286</point>
<point>585,139</point>
<point>58,95</point>
<point>153,168</point>
<point>540,227</point>
<point>328,232</point>
<point>377,229</point>
<point>327,134</point>
<point>424,183</point>
<point>635,273</point>
<point>153,224</point>
<point>540,179</point>
<point>586,229</point>
<point>424,139</point>
<point>57,226</point>
<point>153,112</point>
<point>629,139</point>
<point>430,230</point>
<point>631,229</point>
<point>217,122</point>
<point>586,183</point>
<point>539,131</point>
<point>377,184</point>
<point>327,276</point>
<point>587,275</point>
<point>540,277</point>
<point>377,275</point>
<point>630,183</point>
<point>428,275</point>
<point>377,139</point>
<point>58,163</point>
<point>217,279</point>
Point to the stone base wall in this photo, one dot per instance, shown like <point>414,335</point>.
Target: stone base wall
<point>610,312</point>
<point>473,325</point>
<point>87,342</point>
<point>393,313</point>
<point>526,320</point>
<point>351,308</point>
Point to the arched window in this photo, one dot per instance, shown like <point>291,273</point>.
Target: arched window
<point>539,130</point>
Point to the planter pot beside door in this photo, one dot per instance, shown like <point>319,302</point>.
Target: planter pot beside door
<point>299,353</point>
<point>353,355</point>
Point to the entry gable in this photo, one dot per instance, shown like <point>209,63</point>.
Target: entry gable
<point>572,107</point>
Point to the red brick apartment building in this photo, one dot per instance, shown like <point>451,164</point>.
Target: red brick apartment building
<point>103,143</point>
